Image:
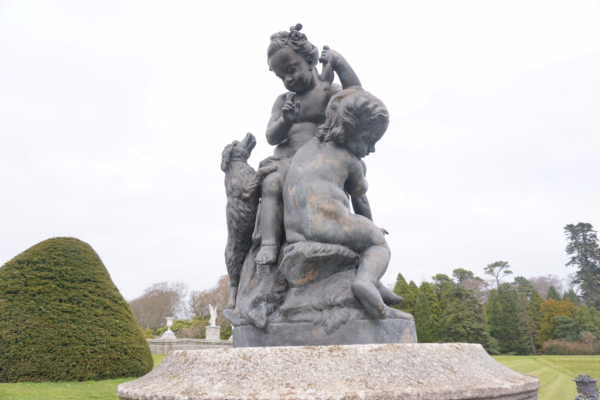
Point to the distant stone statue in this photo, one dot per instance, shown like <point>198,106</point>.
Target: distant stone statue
<point>309,268</point>
<point>213,315</point>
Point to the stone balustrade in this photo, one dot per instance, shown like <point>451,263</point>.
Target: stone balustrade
<point>161,346</point>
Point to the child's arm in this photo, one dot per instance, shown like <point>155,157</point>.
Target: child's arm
<point>360,205</point>
<point>356,185</point>
<point>283,115</point>
<point>332,59</point>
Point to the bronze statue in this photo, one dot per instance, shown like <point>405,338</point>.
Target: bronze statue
<point>309,270</point>
<point>295,117</point>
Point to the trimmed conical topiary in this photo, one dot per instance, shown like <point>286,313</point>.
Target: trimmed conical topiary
<point>63,319</point>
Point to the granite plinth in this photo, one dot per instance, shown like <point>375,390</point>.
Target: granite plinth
<point>363,331</point>
<point>449,371</point>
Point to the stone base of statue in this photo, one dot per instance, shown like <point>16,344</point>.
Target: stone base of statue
<point>213,333</point>
<point>391,371</point>
<point>319,307</point>
<point>362,331</point>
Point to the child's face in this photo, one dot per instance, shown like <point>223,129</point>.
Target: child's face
<point>292,69</point>
<point>362,141</point>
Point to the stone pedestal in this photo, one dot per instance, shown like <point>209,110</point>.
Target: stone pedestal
<point>213,333</point>
<point>450,371</point>
<point>168,335</point>
<point>362,331</point>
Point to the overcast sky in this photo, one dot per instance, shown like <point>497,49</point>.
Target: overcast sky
<point>113,115</point>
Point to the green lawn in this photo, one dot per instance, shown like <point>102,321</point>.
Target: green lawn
<point>555,374</point>
<point>66,390</point>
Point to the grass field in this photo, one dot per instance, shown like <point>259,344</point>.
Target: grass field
<point>66,390</point>
<point>555,374</point>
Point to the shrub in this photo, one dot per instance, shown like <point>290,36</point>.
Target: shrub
<point>148,334</point>
<point>63,319</point>
<point>565,348</point>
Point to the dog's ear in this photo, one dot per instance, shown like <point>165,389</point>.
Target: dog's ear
<point>225,156</point>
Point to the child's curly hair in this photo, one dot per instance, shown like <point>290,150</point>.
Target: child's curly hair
<point>296,41</point>
<point>348,109</point>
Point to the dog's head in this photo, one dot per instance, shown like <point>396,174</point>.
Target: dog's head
<point>238,151</point>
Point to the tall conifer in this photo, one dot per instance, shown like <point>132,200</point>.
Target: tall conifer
<point>510,342</point>
<point>584,249</point>
<point>553,294</point>
<point>464,319</point>
<point>427,326</point>
<point>527,326</point>
<point>432,299</point>
<point>494,315</point>
<point>402,290</point>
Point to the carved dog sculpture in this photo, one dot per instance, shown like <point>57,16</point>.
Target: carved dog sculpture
<point>242,186</point>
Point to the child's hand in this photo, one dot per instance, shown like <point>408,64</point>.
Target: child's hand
<point>329,56</point>
<point>291,109</point>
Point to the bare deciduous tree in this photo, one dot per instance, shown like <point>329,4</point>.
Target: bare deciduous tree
<point>216,296</point>
<point>480,287</point>
<point>542,284</point>
<point>158,302</point>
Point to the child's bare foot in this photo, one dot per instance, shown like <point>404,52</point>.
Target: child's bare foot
<point>232,297</point>
<point>266,255</point>
<point>390,298</point>
<point>369,297</point>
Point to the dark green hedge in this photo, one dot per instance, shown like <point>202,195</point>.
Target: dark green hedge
<point>63,319</point>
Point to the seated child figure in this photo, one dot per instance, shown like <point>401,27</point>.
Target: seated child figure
<point>295,117</point>
<point>322,174</point>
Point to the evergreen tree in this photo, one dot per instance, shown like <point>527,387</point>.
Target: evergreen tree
<point>527,326</point>
<point>498,270</point>
<point>565,328</point>
<point>400,283</point>
<point>409,294</point>
<point>432,299</point>
<point>535,309</point>
<point>494,315</point>
<point>464,319</point>
<point>413,291</point>
<point>462,275</point>
<point>584,320</point>
<point>553,294</point>
<point>402,290</point>
<point>584,250</point>
<point>523,285</point>
<point>441,283</point>
<point>573,296</point>
<point>427,327</point>
<point>595,314</point>
<point>63,319</point>
<point>510,338</point>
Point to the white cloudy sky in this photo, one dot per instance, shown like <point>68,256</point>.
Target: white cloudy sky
<point>113,115</point>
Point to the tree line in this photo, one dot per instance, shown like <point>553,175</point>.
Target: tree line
<point>190,309</point>
<point>525,316</point>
